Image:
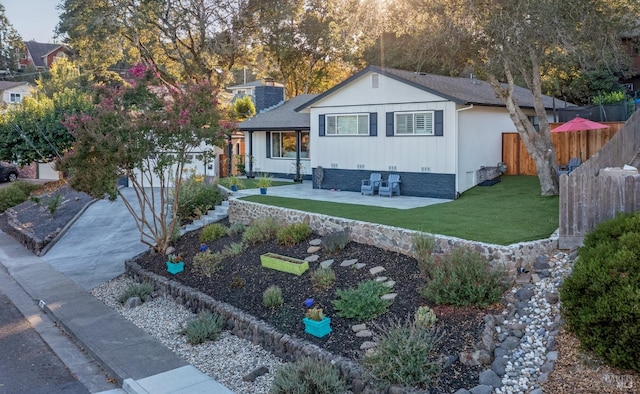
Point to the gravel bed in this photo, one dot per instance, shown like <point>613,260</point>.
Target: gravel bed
<point>226,360</point>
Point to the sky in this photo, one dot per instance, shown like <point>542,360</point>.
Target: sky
<point>33,19</point>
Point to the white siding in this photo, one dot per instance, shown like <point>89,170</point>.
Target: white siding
<point>272,165</point>
<point>23,90</point>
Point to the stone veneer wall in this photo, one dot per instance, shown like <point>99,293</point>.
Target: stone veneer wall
<point>246,326</point>
<point>511,257</point>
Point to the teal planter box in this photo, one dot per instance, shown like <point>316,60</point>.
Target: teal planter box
<point>283,263</point>
<point>317,328</point>
<point>174,268</point>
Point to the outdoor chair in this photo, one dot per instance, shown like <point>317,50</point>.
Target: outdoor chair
<point>370,186</point>
<point>390,185</point>
<point>574,163</point>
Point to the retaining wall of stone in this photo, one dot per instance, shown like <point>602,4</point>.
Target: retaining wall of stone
<point>510,257</point>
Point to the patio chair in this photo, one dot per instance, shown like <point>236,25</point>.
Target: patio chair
<point>390,185</point>
<point>370,186</point>
<point>574,163</point>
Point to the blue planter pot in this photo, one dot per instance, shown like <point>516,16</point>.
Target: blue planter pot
<point>263,190</point>
<point>317,328</point>
<point>234,188</point>
<point>174,268</point>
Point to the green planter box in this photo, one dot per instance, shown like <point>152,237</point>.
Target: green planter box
<point>174,268</point>
<point>284,263</point>
<point>317,328</point>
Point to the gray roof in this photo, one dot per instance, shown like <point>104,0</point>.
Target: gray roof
<point>283,117</point>
<point>39,51</point>
<point>4,85</point>
<point>464,91</point>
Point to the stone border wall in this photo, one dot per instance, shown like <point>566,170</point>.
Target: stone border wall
<point>395,239</point>
<point>246,326</point>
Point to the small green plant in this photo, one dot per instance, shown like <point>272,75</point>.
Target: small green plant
<point>206,327</point>
<point>54,203</point>
<point>323,278</point>
<point>261,230</point>
<point>237,282</point>
<point>235,229</point>
<point>308,376</point>
<point>207,263</point>
<point>272,297</point>
<point>406,354</point>
<point>212,231</point>
<point>264,181</point>
<point>336,241</point>
<point>26,187</point>
<point>174,258</point>
<point>293,234</point>
<point>314,314</point>
<point>11,196</point>
<point>233,249</point>
<point>197,197</point>
<point>362,303</point>
<point>463,278</point>
<point>233,181</point>
<point>423,246</point>
<point>601,297</point>
<point>141,290</point>
<point>424,317</point>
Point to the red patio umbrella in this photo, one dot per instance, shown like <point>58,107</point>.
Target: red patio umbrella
<point>579,124</point>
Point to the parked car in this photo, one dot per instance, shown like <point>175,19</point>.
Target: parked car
<point>8,173</point>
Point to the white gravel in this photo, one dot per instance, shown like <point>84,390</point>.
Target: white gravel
<point>226,360</point>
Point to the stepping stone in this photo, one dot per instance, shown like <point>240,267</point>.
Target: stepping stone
<point>256,373</point>
<point>315,242</point>
<point>364,334</point>
<point>368,345</point>
<point>313,249</point>
<point>360,266</point>
<point>381,278</point>
<point>326,263</point>
<point>389,283</point>
<point>376,270</point>
<point>312,258</point>
<point>348,263</point>
<point>359,327</point>
<point>389,297</point>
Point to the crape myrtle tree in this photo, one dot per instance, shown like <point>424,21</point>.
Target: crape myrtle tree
<point>145,131</point>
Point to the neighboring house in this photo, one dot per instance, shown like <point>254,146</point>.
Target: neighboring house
<point>41,55</point>
<point>278,139</point>
<point>264,94</point>
<point>13,92</point>
<point>439,133</point>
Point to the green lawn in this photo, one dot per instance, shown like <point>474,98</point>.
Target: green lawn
<point>508,212</point>
<point>251,183</point>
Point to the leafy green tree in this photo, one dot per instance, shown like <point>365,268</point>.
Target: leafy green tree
<point>11,45</point>
<point>243,108</point>
<point>146,131</point>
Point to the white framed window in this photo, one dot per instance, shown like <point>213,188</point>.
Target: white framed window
<point>409,123</point>
<point>15,98</point>
<point>352,124</point>
<point>283,144</point>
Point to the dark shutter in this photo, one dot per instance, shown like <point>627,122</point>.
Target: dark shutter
<point>268,144</point>
<point>321,126</point>
<point>438,123</point>
<point>373,124</point>
<point>389,124</point>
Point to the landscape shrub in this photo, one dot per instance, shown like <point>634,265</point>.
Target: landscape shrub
<point>406,354</point>
<point>235,229</point>
<point>206,327</point>
<point>336,241</point>
<point>272,297</point>
<point>11,196</point>
<point>207,263</point>
<point>233,249</point>
<point>601,297</point>
<point>423,246</point>
<point>196,198</point>
<point>261,230</point>
<point>308,376</point>
<point>323,278</point>
<point>237,283</point>
<point>463,278</point>
<point>212,231</point>
<point>293,234</point>
<point>54,203</point>
<point>362,303</point>
<point>424,317</point>
<point>26,187</point>
<point>141,290</point>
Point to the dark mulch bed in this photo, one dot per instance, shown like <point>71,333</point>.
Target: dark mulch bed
<point>461,326</point>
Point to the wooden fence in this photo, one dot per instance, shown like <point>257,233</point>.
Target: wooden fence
<point>588,196</point>
<point>572,144</point>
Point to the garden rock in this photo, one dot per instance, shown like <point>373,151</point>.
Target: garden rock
<point>376,270</point>
<point>499,365</point>
<point>359,327</point>
<point>479,357</point>
<point>312,258</point>
<point>389,296</point>
<point>360,266</point>
<point>523,279</point>
<point>524,294</point>
<point>541,263</point>
<point>348,263</point>
<point>315,242</point>
<point>256,373</point>
<point>313,249</point>
<point>389,283</point>
<point>133,302</point>
<point>364,334</point>
<point>510,343</point>
<point>481,389</point>
<point>381,278</point>
<point>552,298</point>
<point>366,345</point>
<point>490,378</point>
<point>326,263</point>
<point>462,391</point>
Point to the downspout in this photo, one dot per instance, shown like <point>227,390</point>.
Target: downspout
<point>457,135</point>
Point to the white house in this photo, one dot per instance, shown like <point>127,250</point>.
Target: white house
<point>14,92</point>
<point>438,133</point>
